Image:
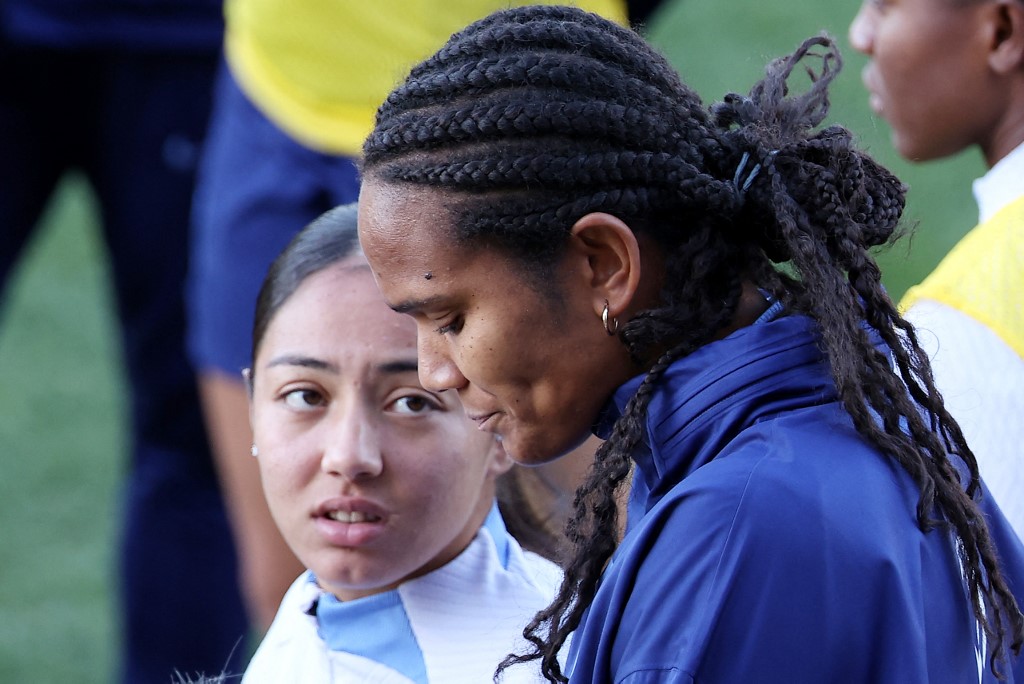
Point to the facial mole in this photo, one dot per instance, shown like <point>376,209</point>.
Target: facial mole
<point>428,275</point>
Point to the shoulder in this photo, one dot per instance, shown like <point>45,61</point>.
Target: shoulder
<point>778,559</point>
<point>292,643</point>
<point>468,615</point>
<point>483,583</point>
<point>790,476</point>
<point>959,282</point>
<point>544,576</point>
<point>801,511</point>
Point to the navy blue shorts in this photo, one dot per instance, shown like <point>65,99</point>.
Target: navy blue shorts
<point>257,188</point>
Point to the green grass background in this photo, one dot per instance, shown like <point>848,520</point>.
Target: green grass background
<point>62,394</point>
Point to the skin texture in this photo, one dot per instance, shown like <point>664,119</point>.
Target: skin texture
<point>532,368</point>
<point>342,423</point>
<point>940,73</point>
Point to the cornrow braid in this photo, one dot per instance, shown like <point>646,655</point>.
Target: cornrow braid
<point>547,30</point>
<point>511,114</point>
<point>536,116</point>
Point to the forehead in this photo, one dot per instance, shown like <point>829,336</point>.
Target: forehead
<point>392,214</point>
<point>408,234</point>
<point>334,311</point>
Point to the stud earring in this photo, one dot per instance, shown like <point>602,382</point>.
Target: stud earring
<point>254,450</point>
<point>610,327</point>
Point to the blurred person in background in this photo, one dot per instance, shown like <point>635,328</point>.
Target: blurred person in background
<point>296,99</point>
<point>120,90</point>
<point>948,75</point>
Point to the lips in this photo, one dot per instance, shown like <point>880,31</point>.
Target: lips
<point>874,99</point>
<point>350,522</point>
<point>484,421</point>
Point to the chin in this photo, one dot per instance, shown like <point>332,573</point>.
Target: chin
<point>528,455</point>
<point>540,454</point>
<point>915,151</point>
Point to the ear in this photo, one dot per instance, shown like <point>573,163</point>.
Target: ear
<point>612,261</point>
<point>1006,53</point>
<point>500,461</point>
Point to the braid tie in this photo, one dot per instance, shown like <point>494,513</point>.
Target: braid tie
<point>821,172</point>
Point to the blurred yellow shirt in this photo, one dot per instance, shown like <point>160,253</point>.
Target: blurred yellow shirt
<point>320,68</point>
<point>983,276</point>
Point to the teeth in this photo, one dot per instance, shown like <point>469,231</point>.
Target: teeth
<point>352,517</point>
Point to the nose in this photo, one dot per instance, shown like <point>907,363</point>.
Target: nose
<point>862,29</point>
<point>351,444</point>
<point>437,369</point>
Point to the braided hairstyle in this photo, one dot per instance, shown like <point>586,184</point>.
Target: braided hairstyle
<point>533,117</point>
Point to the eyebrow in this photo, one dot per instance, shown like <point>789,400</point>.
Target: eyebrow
<point>388,368</point>
<point>304,361</point>
<point>396,367</point>
<point>411,305</point>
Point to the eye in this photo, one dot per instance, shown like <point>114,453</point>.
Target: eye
<point>414,404</point>
<point>304,399</point>
<point>451,328</point>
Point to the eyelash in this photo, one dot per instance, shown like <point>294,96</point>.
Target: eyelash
<point>311,399</point>
<point>305,394</point>
<point>450,328</point>
<point>428,405</point>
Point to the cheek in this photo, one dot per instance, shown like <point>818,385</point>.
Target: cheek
<point>501,346</point>
<point>890,59</point>
<point>286,464</point>
<point>280,481</point>
<point>444,464</point>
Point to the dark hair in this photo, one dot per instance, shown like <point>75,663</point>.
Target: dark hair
<point>327,240</point>
<point>533,117</point>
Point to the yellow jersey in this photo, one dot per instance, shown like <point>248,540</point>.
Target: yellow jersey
<point>983,276</point>
<point>320,68</point>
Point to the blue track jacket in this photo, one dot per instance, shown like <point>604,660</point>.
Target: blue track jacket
<point>775,545</point>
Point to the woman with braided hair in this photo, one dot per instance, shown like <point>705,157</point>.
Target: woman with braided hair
<point>585,247</point>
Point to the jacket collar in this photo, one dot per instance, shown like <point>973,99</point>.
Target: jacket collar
<point>705,399</point>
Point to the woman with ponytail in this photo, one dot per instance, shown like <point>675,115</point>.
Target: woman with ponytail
<point>587,248</point>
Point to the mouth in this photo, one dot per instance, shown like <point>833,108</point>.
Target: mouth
<point>484,421</point>
<point>350,523</point>
<point>875,102</point>
<point>874,99</point>
<point>352,517</point>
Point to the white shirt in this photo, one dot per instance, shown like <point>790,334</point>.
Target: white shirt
<point>981,378</point>
<point>463,618</point>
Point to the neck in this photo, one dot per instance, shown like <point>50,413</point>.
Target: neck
<point>751,305</point>
<point>1008,135</point>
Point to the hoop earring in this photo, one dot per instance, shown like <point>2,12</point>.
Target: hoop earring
<point>610,328</point>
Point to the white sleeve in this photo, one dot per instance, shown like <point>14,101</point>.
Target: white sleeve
<point>982,382</point>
